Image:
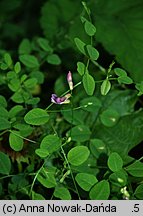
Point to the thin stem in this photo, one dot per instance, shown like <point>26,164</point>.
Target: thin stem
<point>18,135</point>
<point>70,172</point>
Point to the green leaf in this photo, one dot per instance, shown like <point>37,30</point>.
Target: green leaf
<point>8,59</point>
<point>93,53</point>
<point>44,44</point>
<point>51,143</point>
<point>125,80</point>
<point>5,164</point>
<point>78,155</point>
<point>88,83</point>
<point>24,129</point>
<point>38,75</point>
<point>3,66</point>
<point>14,111</point>
<point>24,47</point>
<point>15,141</point>
<point>29,61</point>
<point>121,138</point>
<point>4,124</point>
<point>89,28</point>
<point>17,67</point>
<point>20,96</point>
<point>80,45</point>
<point>139,87</point>
<point>90,104</point>
<point>120,72</point>
<point>74,117</point>
<point>97,147</point>
<point>46,178</point>
<point>80,133</point>
<point>85,180</point>
<point>14,84</point>
<point>4,113</point>
<point>135,169</point>
<point>36,116</point>
<point>100,191</point>
<point>62,193</point>
<point>54,59</point>
<point>115,162</point>
<point>139,192</point>
<point>42,152</point>
<point>30,83</point>
<point>119,178</point>
<point>37,196</point>
<point>109,117</point>
<point>81,68</point>
<point>105,87</point>
<point>128,48</point>
<point>3,101</point>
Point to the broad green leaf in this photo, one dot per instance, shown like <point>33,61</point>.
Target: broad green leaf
<point>125,135</point>
<point>85,180</point>
<point>74,117</point>
<point>14,85</point>
<point>80,133</point>
<point>119,178</point>
<point>24,129</point>
<point>100,191</point>
<point>78,155</point>
<point>44,44</point>
<point>125,80</point>
<point>139,192</point>
<point>109,117</point>
<point>8,59</point>
<point>46,178</point>
<point>3,66</point>
<point>15,141</point>
<point>120,72</point>
<point>29,61</point>
<point>4,113</point>
<point>17,67</point>
<point>15,110</point>
<point>126,46</point>
<point>80,45</point>
<point>115,162</point>
<point>20,96</point>
<point>33,101</point>
<point>89,28</point>
<point>81,68</point>
<point>62,193</point>
<point>24,47</point>
<point>54,59</point>
<point>105,87</point>
<point>30,83</point>
<point>36,116</point>
<point>37,196</point>
<point>38,75</point>
<point>92,52</point>
<point>4,123</point>
<point>135,169</point>
<point>97,147</point>
<point>5,164</point>
<point>114,99</point>
<point>90,104</point>
<point>51,143</point>
<point>3,101</point>
<point>88,83</point>
<point>42,152</point>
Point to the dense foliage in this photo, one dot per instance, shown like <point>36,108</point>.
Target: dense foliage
<point>71,86</point>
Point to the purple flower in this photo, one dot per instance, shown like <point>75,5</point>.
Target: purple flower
<point>60,100</point>
<point>69,79</point>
